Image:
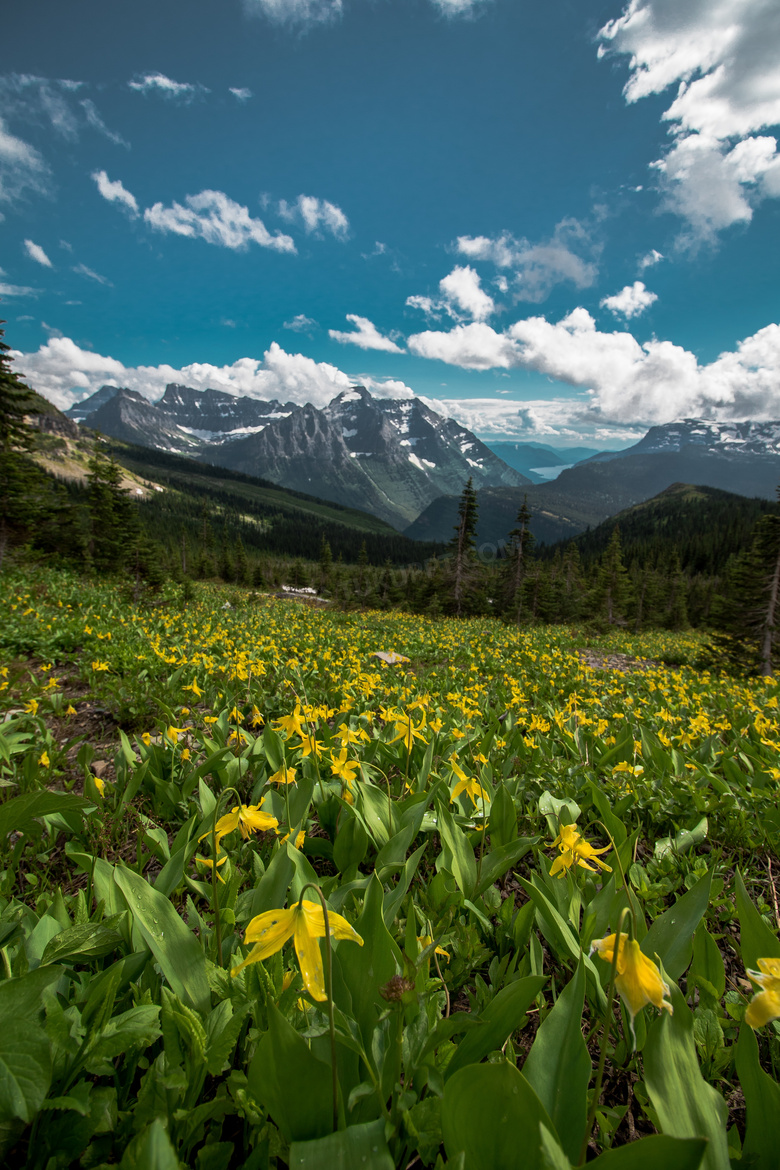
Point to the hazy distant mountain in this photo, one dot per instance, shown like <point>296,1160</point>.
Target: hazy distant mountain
<point>526,457</point>
<point>743,458</point>
<point>390,457</point>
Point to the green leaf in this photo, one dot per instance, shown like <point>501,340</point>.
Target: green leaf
<point>653,1153</point>
<point>563,941</point>
<point>271,891</point>
<point>682,841</point>
<point>558,1066</point>
<point>558,812</point>
<point>757,941</point>
<point>685,1104</point>
<point>708,961</point>
<point>19,814</point>
<point>496,863</point>
<point>762,1098</point>
<point>491,1114</point>
<point>151,1150</point>
<point>172,943</point>
<point>464,866</point>
<point>396,896</point>
<point>503,818</point>
<point>91,940</point>
<point>25,1054</point>
<point>671,935</point>
<point>360,1147</point>
<point>365,969</point>
<point>504,1015</point>
<point>289,1081</point>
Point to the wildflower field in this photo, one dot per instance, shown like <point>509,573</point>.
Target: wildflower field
<point>285,887</point>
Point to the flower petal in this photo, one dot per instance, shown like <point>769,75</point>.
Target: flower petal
<point>271,930</point>
<point>307,948</point>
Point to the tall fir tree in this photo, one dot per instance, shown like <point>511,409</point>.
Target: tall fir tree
<point>463,550</point>
<point>613,585</point>
<point>516,566</point>
<point>17,474</point>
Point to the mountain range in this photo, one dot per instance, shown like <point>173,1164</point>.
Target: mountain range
<point>390,457</point>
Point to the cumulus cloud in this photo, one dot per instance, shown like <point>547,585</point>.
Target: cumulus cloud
<point>65,373</point>
<point>36,253</point>
<point>626,381</point>
<point>21,168</point>
<point>214,217</point>
<point>631,301</point>
<point>115,192</point>
<point>158,83</point>
<point>462,296</point>
<point>568,256</point>
<point>566,419</point>
<point>722,57</point>
<point>316,215</point>
<point>301,13</point>
<point>241,93</point>
<point>82,270</point>
<point>365,336</point>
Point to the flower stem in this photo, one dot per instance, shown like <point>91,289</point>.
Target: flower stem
<point>329,990</point>
<point>604,1041</point>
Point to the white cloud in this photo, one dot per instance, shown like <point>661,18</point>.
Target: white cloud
<point>96,122</point>
<point>82,270</point>
<point>182,91</point>
<point>17,290</point>
<point>459,7</point>
<point>214,217</point>
<point>241,93</point>
<point>36,253</point>
<point>365,336</point>
<point>303,13</point>
<point>462,296</point>
<point>300,323</point>
<point>569,256</point>
<point>315,215</point>
<point>66,373</point>
<point>566,419</point>
<point>627,382</point>
<point>462,290</point>
<point>631,301</point>
<point>722,56</point>
<point>649,260</point>
<point>21,168</point>
<point>115,192</point>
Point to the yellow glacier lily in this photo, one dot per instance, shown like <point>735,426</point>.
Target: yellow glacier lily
<point>637,978</point>
<point>575,850</point>
<point>246,817</point>
<point>765,1004</point>
<point>304,922</point>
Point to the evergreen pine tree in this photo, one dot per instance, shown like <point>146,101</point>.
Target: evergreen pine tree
<point>516,565</point>
<point>613,585</point>
<point>17,506</point>
<point>747,613</point>
<point>114,533</point>
<point>462,549</point>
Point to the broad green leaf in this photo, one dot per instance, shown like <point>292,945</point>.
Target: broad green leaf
<point>757,941</point>
<point>503,818</point>
<point>491,1114</point>
<point>504,1015</point>
<point>658,1152</point>
<point>611,823</point>
<point>671,935</point>
<point>682,841</point>
<point>91,940</point>
<point>708,961</point>
<point>365,969</point>
<point>392,856</point>
<point>170,940</point>
<point>496,863</point>
<point>19,814</point>
<point>558,1066</point>
<point>289,1081</point>
<point>271,891</point>
<point>762,1098</point>
<point>151,1150</point>
<point>396,896</point>
<point>687,1107</point>
<point>360,1147</point>
<point>351,844</point>
<point>563,941</point>
<point>25,1054</point>
<point>464,865</point>
<point>557,812</point>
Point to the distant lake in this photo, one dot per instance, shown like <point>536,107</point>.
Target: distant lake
<point>552,472</point>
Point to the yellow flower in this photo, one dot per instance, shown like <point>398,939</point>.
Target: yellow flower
<point>298,840</point>
<point>637,979</point>
<point>246,817</point>
<point>44,760</point>
<point>210,864</point>
<point>70,709</point>
<point>304,922</point>
<point>257,717</point>
<point>236,715</point>
<point>342,767</point>
<point>185,755</point>
<point>32,707</point>
<point>100,785</point>
<point>425,940</point>
<point>291,723</point>
<point>283,776</point>
<point>146,737</point>
<point>173,733</point>
<point>765,1004</point>
<point>194,688</point>
<point>100,666</point>
<point>575,850</point>
<point>210,718</point>
<point>406,731</point>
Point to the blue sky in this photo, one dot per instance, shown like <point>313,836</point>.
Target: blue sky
<point>555,222</point>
